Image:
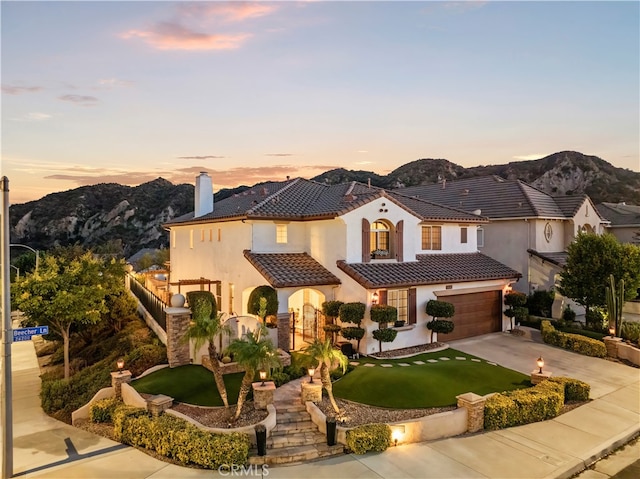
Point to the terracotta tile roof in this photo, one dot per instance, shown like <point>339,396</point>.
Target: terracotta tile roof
<point>429,269</point>
<point>494,196</point>
<point>284,270</point>
<point>558,258</point>
<point>620,214</point>
<point>301,199</point>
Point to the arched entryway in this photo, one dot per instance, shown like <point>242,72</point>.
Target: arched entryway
<point>305,307</point>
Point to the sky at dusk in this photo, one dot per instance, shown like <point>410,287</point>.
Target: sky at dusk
<point>126,92</point>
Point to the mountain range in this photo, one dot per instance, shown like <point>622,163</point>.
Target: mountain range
<point>133,216</point>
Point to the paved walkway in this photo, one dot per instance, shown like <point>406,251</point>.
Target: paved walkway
<point>45,448</point>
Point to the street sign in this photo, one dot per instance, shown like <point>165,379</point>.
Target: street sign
<point>24,334</point>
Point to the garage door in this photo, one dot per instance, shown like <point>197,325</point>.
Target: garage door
<point>475,314</point>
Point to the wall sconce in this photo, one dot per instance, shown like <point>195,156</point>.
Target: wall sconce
<point>540,363</point>
<point>311,372</point>
<point>374,298</point>
<point>120,364</point>
<point>397,433</point>
<point>263,376</point>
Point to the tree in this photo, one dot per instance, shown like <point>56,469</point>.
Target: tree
<point>383,314</point>
<point>591,259</point>
<point>615,303</point>
<point>440,309</point>
<point>352,313</point>
<point>69,290</point>
<point>327,356</point>
<point>206,326</point>
<point>516,302</point>
<point>254,352</point>
<point>331,310</point>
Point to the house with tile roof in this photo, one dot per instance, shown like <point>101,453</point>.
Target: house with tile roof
<point>624,220</point>
<point>528,231</point>
<point>351,242</point>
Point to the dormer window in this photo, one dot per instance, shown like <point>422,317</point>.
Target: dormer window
<point>281,234</point>
<point>431,237</point>
<point>380,240</point>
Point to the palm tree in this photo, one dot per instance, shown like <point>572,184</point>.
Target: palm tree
<point>205,328</point>
<point>327,355</point>
<point>254,352</point>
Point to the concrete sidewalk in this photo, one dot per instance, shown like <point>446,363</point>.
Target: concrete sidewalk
<point>46,448</point>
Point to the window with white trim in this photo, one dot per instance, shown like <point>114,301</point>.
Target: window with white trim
<point>432,237</point>
<point>380,239</point>
<point>281,234</point>
<point>480,239</point>
<point>399,299</point>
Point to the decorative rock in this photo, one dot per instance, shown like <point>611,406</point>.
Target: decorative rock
<point>177,301</point>
<point>263,395</point>
<point>117,378</point>
<point>387,365</point>
<point>432,360</point>
<point>311,392</point>
<point>420,363</point>
<point>474,405</point>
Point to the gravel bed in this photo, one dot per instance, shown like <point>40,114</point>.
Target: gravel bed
<point>221,417</point>
<point>354,414</point>
<point>404,352</point>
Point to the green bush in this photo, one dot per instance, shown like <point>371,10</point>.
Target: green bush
<point>573,342</point>
<point>630,332</point>
<point>352,333</point>
<point>386,335</point>
<point>574,389</point>
<point>331,308</point>
<point>102,410</point>
<point>540,302</point>
<point>177,439</point>
<point>442,326</point>
<point>267,292</point>
<point>145,357</point>
<point>515,299</point>
<point>352,313</point>
<point>439,309</point>
<point>568,314</point>
<point>583,332</point>
<point>331,328</point>
<point>383,313</point>
<point>280,378</point>
<point>202,303</point>
<point>368,438</point>
<point>337,373</point>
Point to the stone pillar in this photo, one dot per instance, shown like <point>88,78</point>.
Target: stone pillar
<point>263,395</point>
<point>474,405</point>
<point>537,376</point>
<point>284,331</point>
<point>311,392</point>
<point>178,320</point>
<point>158,404</point>
<point>611,343</point>
<point>119,377</point>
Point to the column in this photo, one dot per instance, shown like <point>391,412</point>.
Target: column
<point>178,320</point>
<point>474,405</point>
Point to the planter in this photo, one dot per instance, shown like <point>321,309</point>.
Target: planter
<point>399,324</point>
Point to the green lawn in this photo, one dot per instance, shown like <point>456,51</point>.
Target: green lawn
<point>429,385</point>
<point>192,384</point>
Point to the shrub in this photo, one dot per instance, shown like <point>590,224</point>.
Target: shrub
<point>353,333</point>
<point>202,303</point>
<point>572,342</point>
<point>385,335</point>
<point>267,292</point>
<point>574,389</point>
<point>331,308</point>
<point>102,410</point>
<point>443,326</point>
<point>370,437</point>
<point>630,331</point>
<point>279,378</point>
<point>352,313</point>
<point>337,373</point>
<point>516,302</point>
<point>568,314</point>
<point>594,319</point>
<point>383,313</point>
<point>331,328</point>
<point>539,302</point>
<point>145,357</point>
<point>177,439</point>
<point>440,309</point>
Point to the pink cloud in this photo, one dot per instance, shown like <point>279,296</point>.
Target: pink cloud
<point>230,12</point>
<point>17,89</point>
<point>172,36</point>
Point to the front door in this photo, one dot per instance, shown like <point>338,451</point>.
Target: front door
<point>309,323</point>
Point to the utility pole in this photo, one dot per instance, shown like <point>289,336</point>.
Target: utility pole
<point>7,334</point>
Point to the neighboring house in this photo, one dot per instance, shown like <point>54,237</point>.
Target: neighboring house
<point>625,221</point>
<point>529,230</point>
<point>350,242</point>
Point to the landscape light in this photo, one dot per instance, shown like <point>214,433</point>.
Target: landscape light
<point>120,364</point>
<point>397,433</point>
<point>612,332</point>
<point>540,363</point>
<point>311,372</point>
<point>263,376</point>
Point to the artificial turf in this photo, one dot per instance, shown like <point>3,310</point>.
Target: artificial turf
<point>191,384</point>
<point>427,385</point>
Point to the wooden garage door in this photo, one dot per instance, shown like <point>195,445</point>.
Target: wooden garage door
<point>476,314</point>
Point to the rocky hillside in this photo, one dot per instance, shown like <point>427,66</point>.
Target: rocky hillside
<point>94,215</point>
<point>563,173</point>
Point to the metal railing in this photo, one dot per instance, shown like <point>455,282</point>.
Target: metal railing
<point>152,303</point>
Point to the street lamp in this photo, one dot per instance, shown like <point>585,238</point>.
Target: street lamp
<point>37,252</point>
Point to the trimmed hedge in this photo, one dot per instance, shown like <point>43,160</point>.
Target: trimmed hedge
<point>441,326</point>
<point>331,308</point>
<point>539,403</point>
<point>386,335</point>
<point>370,437</point>
<point>573,342</point>
<point>202,303</point>
<point>267,292</point>
<point>383,313</point>
<point>352,313</point>
<point>102,410</point>
<point>177,439</point>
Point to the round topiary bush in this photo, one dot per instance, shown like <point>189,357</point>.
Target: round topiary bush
<point>331,308</point>
<point>382,313</point>
<point>385,335</point>
<point>202,304</point>
<point>352,313</point>
<point>441,326</point>
<point>439,309</point>
<point>267,292</point>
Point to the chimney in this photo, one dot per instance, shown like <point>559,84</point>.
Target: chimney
<point>444,183</point>
<point>204,195</point>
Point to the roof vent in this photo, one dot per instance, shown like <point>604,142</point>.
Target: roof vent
<point>264,191</point>
<point>465,192</point>
<point>477,212</point>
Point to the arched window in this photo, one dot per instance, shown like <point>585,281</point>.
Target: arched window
<point>380,243</point>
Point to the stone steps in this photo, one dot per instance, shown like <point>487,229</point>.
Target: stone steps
<point>296,439</point>
<point>291,455</point>
<point>293,428</point>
